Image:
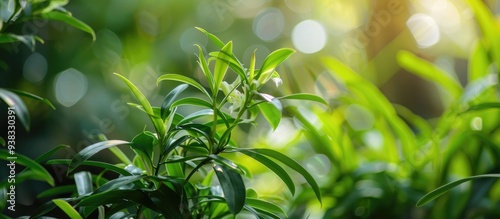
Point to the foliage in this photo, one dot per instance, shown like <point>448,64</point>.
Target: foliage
<point>183,169</point>
<point>386,157</point>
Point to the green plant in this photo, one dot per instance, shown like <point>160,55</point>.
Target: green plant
<point>385,158</point>
<point>173,172</point>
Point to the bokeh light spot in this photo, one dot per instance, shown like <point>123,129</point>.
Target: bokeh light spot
<point>358,117</point>
<point>299,6</point>
<point>424,30</point>
<point>35,68</point>
<point>70,86</point>
<point>269,24</point>
<point>309,36</point>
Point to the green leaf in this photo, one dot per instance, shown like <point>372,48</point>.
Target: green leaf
<point>196,115</point>
<point>169,100</point>
<point>46,155</point>
<point>83,182</point>
<point>429,71</point>
<point>229,164</point>
<point>275,101</point>
<point>20,109</point>
<point>30,95</point>
<point>89,151</point>
<point>183,79</point>
<point>232,186</point>
<point>144,142</point>
<point>57,191</point>
<point>221,65</point>
<point>292,164</point>
<point>54,4</point>
<point>103,165</point>
<point>2,141</point>
<point>265,206</point>
<point>28,40</point>
<point>157,122</point>
<point>68,19</point>
<point>193,101</point>
<point>443,189</point>
<point>67,208</point>
<point>120,155</point>
<point>7,9</point>
<point>489,27</point>
<point>271,113</point>
<point>212,37</point>
<point>172,144</point>
<point>484,106</point>
<point>271,62</point>
<point>205,69</point>
<point>35,167</point>
<point>273,166</point>
<point>304,96</point>
<point>478,62</point>
<point>118,182</point>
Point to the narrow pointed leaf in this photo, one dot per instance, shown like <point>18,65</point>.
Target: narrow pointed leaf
<point>67,208</point>
<point>157,122</point>
<point>169,99</point>
<point>232,186</point>
<point>443,189</point>
<point>271,62</point>
<point>304,96</point>
<point>57,191</point>
<point>35,97</point>
<point>222,64</point>
<point>182,79</point>
<point>20,109</point>
<point>89,151</point>
<point>429,71</point>
<point>103,165</point>
<point>193,101</point>
<point>45,156</point>
<point>118,182</point>
<point>273,166</point>
<point>271,113</point>
<point>204,67</point>
<point>68,19</point>
<point>34,166</point>
<point>292,164</point>
<point>484,106</point>
<point>196,115</point>
<point>265,206</point>
<point>83,182</point>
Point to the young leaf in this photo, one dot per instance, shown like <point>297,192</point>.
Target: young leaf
<point>304,96</point>
<point>118,182</point>
<point>232,186</point>
<point>273,166</point>
<point>429,71</point>
<point>34,166</point>
<point>221,65</point>
<point>205,69</point>
<point>183,79</point>
<point>89,151</point>
<point>441,190</point>
<point>157,122</point>
<point>67,208</point>
<point>83,182</point>
<point>271,113</point>
<point>271,62</point>
<point>265,206</point>
<point>292,164</point>
<point>169,100</point>
<point>68,19</point>
<point>30,95</point>
<point>20,109</point>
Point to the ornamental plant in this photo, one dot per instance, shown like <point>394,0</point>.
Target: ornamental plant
<point>182,169</point>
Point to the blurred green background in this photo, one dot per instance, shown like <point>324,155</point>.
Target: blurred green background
<point>145,39</point>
